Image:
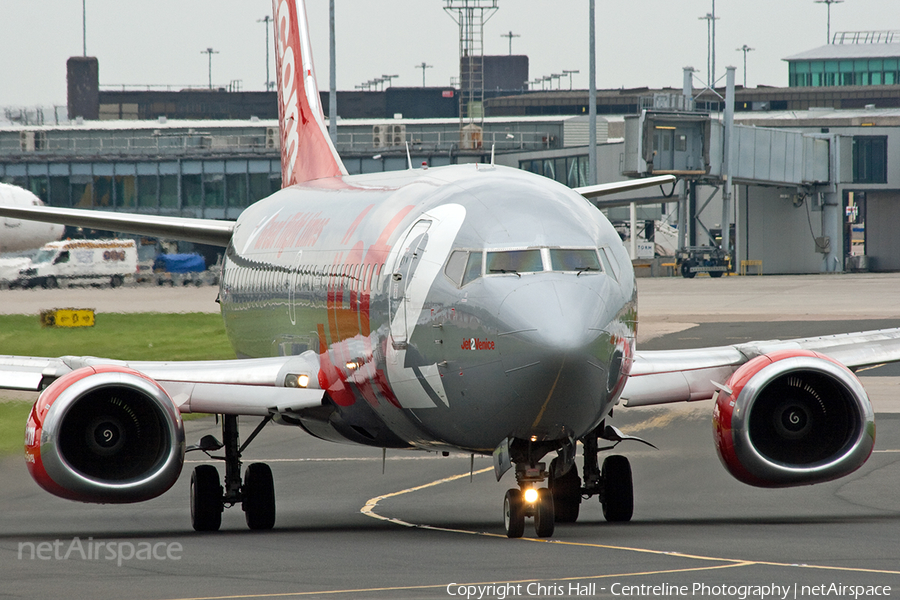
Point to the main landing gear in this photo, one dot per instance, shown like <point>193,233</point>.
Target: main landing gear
<point>561,500</point>
<point>256,493</point>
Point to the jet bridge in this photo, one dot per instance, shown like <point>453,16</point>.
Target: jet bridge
<point>694,146</point>
<point>691,145</point>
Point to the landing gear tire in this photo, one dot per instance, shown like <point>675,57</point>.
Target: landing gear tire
<point>116,281</point>
<point>715,273</point>
<point>514,513</point>
<point>566,492</point>
<point>617,491</point>
<point>543,514</point>
<point>259,497</point>
<point>686,270</point>
<point>206,499</point>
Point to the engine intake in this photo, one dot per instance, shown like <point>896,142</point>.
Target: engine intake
<point>793,418</point>
<point>105,434</point>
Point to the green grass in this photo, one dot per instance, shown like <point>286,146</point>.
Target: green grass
<point>12,425</point>
<point>148,336</point>
<point>135,336</point>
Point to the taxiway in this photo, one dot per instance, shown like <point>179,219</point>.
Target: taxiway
<point>346,530</point>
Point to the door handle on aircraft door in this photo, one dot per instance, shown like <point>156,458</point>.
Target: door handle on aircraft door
<point>398,276</point>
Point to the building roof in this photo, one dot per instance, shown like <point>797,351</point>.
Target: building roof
<point>848,52</point>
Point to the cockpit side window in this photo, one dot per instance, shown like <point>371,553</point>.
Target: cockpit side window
<point>473,267</point>
<point>607,266</point>
<point>456,266</point>
<point>570,259</point>
<point>463,266</point>
<point>514,261</point>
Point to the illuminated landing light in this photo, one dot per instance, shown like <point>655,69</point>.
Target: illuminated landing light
<point>352,365</point>
<point>534,438</point>
<point>296,381</point>
<point>531,495</point>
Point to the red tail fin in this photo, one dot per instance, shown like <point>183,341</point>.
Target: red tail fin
<point>306,149</point>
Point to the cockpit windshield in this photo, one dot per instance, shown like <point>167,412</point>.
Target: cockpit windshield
<point>568,259</point>
<point>465,266</point>
<point>514,261</point>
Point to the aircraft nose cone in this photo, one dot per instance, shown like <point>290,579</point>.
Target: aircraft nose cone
<point>559,356</point>
<point>558,317</point>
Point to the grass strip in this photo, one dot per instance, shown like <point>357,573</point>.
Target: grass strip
<point>132,336</point>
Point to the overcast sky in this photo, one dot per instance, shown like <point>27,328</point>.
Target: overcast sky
<point>642,43</point>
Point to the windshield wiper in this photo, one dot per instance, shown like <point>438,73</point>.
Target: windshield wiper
<point>506,271</point>
<point>583,269</point>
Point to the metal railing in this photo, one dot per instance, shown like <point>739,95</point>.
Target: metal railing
<point>56,143</point>
<point>866,37</point>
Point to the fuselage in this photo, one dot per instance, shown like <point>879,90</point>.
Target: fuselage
<point>17,235</point>
<point>443,313</point>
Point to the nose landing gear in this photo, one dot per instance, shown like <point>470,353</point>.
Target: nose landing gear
<point>560,501</point>
<point>529,501</point>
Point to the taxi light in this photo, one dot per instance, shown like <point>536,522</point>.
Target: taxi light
<point>531,495</point>
<point>296,381</point>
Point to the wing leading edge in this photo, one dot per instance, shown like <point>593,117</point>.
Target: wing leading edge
<point>202,231</point>
<point>258,386</point>
<point>660,377</point>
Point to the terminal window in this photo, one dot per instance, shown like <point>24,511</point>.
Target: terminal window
<point>869,159</point>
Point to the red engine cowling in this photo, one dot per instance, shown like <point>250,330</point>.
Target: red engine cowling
<point>793,417</point>
<point>105,434</point>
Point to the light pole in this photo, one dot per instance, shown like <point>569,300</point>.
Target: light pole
<point>710,19</point>
<point>745,49</point>
<point>510,35</point>
<point>267,19</point>
<point>84,27</point>
<point>210,52</point>
<point>388,78</point>
<point>828,3</point>
<point>424,66</point>
<point>570,73</point>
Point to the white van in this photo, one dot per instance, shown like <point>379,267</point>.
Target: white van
<point>81,262</point>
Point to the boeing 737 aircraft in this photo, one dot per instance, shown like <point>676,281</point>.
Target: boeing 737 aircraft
<point>469,308</point>
<point>17,234</point>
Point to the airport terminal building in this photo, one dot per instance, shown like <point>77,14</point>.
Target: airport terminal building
<point>817,186</point>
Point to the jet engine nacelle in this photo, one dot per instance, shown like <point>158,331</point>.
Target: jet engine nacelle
<point>793,417</point>
<point>105,434</point>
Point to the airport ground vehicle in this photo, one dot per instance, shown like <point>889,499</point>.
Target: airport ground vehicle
<point>81,262</point>
<point>701,259</point>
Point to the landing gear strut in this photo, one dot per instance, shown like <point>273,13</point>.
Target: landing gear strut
<point>256,493</point>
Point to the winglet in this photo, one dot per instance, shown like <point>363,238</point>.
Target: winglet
<point>307,151</point>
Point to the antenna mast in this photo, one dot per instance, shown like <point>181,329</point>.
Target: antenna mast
<point>471,15</point>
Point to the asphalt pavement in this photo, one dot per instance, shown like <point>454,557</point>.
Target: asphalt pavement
<point>420,526</point>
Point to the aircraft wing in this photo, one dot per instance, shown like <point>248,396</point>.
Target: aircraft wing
<point>258,386</point>
<point>604,189</point>
<point>660,377</point>
<point>203,231</point>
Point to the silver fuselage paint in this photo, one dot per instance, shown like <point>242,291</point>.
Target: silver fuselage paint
<point>353,269</point>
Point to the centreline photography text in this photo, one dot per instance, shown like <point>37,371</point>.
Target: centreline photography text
<point>582,589</point>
